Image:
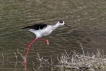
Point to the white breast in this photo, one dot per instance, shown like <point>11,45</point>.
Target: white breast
<point>42,32</point>
<point>47,31</point>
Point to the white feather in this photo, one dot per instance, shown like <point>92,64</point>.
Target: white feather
<point>45,31</point>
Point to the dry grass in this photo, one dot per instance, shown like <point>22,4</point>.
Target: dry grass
<point>74,61</point>
<point>84,61</point>
<point>79,62</point>
<point>86,17</point>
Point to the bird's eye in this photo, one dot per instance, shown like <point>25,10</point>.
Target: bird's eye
<point>60,21</point>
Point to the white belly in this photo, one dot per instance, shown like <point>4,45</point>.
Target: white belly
<point>46,33</point>
<point>41,32</point>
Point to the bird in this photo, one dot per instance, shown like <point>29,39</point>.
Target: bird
<point>40,30</point>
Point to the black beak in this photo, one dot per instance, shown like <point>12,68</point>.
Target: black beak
<point>67,25</point>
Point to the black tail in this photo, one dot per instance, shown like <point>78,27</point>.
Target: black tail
<point>26,27</point>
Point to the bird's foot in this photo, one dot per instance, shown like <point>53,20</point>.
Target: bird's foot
<point>47,42</point>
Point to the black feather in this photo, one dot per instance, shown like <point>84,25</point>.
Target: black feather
<point>36,26</point>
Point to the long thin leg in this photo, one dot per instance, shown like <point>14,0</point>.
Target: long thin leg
<point>25,61</point>
<point>36,39</point>
<point>30,46</point>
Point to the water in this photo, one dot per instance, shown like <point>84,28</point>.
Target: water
<point>85,17</point>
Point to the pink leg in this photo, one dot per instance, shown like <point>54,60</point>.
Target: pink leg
<point>36,39</point>
<point>30,46</point>
<point>46,40</point>
<point>28,51</point>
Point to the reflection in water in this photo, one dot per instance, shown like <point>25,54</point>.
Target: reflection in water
<point>42,65</point>
<point>66,62</point>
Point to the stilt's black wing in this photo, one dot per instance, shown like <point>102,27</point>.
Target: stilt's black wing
<point>36,26</point>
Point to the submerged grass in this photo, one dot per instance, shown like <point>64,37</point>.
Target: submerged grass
<point>86,17</point>
<point>74,61</point>
<point>79,62</point>
<point>88,61</point>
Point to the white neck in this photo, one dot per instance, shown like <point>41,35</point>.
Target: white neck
<point>56,26</point>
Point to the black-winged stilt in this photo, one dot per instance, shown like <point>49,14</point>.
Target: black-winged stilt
<point>42,30</point>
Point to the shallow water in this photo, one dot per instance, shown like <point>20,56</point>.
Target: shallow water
<point>83,16</point>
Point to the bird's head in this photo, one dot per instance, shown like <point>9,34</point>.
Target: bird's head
<point>61,22</point>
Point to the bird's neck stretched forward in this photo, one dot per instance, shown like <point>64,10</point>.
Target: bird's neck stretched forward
<point>56,25</point>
